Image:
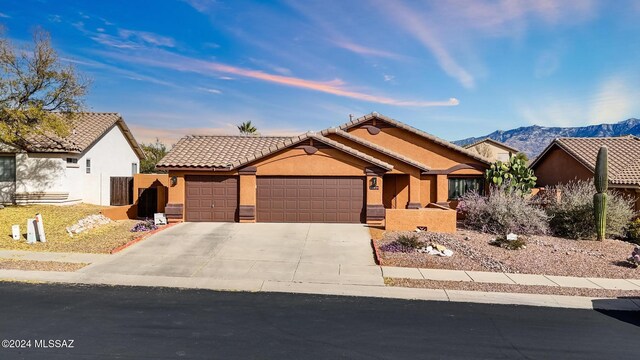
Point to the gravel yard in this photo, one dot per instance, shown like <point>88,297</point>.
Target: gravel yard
<point>545,255</point>
<point>510,288</point>
<point>101,239</point>
<point>14,264</point>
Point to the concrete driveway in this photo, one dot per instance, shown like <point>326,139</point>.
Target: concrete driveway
<point>324,253</point>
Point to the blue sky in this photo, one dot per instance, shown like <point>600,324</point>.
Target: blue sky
<point>452,68</point>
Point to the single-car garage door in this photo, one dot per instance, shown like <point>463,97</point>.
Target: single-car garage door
<point>310,199</point>
<point>211,198</point>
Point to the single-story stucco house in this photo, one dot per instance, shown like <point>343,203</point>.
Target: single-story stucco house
<point>568,159</point>
<point>75,169</point>
<point>365,171</point>
<point>493,150</point>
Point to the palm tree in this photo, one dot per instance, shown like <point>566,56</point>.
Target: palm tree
<point>247,129</point>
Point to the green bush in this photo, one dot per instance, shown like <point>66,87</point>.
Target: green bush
<point>571,214</point>
<point>410,241</point>
<point>512,175</point>
<point>501,213</point>
<point>633,231</point>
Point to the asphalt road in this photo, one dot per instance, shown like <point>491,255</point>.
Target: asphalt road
<point>154,323</point>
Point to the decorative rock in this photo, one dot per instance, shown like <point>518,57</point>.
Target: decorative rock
<point>512,237</point>
<point>87,223</point>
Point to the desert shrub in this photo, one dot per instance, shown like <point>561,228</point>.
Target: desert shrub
<point>572,212</point>
<point>410,241</point>
<point>502,212</point>
<point>633,231</point>
<point>502,242</point>
<point>145,225</point>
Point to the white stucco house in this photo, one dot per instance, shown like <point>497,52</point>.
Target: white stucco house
<point>75,169</point>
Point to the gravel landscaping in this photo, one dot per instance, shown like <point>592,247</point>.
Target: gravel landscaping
<point>510,288</point>
<point>545,255</point>
<point>100,239</point>
<point>14,264</point>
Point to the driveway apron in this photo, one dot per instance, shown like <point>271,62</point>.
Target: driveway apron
<point>326,253</point>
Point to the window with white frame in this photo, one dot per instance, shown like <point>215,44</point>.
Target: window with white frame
<point>7,168</point>
<point>134,168</point>
<point>72,162</point>
<point>88,166</point>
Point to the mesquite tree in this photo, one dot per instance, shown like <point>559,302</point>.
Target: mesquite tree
<point>38,93</point>
<point>601,180</point>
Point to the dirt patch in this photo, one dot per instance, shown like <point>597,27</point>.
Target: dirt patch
<point>509,288</point>
<point>543,255</point>
<point>14,264</point>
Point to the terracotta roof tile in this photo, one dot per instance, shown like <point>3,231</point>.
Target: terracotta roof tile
<point>624,155</point>
<point>87,129</point>
<point>377,148</point>
<point>401,125</point>
<point>216,151</point>
<point>496,142</point>
<point>310,135</point>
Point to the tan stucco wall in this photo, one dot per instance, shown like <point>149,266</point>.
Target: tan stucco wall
<point>559,167</point>
<point>325,162</point>
<point>497,152</point>
<point>143,181</point>
<point>416,147</point>
<point>436,220</point>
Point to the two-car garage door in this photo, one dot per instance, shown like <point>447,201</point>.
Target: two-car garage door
<point>310,199</point>
<point>279,199</point>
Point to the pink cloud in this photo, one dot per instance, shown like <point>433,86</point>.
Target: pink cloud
<point>336,87</point>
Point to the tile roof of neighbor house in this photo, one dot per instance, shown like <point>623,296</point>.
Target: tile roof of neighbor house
<point>377,148</point>
<point>495,142</point>
<point>623,155</point>
<point>87,129</point>
<point>231,152</point>
<point>401,125</point>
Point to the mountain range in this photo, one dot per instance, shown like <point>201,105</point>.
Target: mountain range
<point>531,140</point>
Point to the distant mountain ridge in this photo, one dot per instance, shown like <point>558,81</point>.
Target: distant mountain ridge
<point>531,140</point>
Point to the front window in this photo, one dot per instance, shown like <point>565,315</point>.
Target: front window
<point>7,168</point>
<point>460,186</point>
<point>88,166</point>
<point>134,168</point>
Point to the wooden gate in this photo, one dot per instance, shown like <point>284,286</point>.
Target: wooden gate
<point>121,190</point>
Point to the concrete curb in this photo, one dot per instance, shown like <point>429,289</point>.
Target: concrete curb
<point>319,288</point>
<point>140,238</point>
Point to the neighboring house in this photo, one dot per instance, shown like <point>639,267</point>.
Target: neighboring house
<point>352,174</point>
<point>568,159</point>
<point>77,168</point>
<point>492,149</point>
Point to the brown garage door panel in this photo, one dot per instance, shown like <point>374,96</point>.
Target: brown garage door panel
<point>310,199</point>
<point>211,198</point>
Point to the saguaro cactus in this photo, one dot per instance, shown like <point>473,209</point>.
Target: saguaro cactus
<point>601,180</point>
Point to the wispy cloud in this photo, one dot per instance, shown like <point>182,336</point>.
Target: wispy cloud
<point>418,27</point>
<point>147,38</point>
<point>169,60</point>
<point>209,90</point>
<point>3,15</point>
<point>368,51</point>
<point>450,29</point>
<point>202,6</point>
